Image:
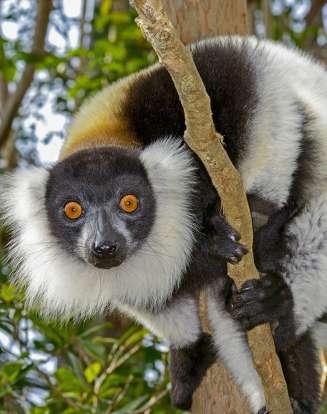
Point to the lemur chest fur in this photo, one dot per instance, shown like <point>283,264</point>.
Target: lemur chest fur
<point>178,322</point>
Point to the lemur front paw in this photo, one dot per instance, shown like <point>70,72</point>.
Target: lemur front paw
<point>265,300</point>
<point>224,240</point>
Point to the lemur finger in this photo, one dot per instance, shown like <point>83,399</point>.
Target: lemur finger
<point>258,294</point>
<point>232,251</point>
<point>219,222</point>
<point>267,315</point>
<point>252,310</point>
<point>239,252</point>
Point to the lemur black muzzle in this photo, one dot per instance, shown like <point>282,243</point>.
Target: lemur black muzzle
<point>108,248</point>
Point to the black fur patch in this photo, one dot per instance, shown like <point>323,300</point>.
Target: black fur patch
<point>98,179</point>
<point>153,108</point>
<point>300,363</point>
<point>306,161</point>
<point>187,369</point>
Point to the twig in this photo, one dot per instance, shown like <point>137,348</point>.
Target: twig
<point>114,365</point>
<point>4,92</point>
<point>151,402</point>
<point>316,7</point>
<point>324,371</point>
<point>120,395</point>
<point>11,109</point>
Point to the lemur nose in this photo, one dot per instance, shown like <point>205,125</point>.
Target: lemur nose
<point>105,249</point>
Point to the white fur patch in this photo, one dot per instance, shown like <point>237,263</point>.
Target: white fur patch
<point>234,351</point>
<point>306,265</point>
<point>178,322</point>
<point>320,334</point>
<point>65,286</point>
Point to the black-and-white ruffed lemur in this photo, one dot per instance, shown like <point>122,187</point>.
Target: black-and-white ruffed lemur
<point>128,218</point>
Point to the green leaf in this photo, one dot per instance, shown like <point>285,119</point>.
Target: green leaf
<point>105,7</point>
<point>11,370</point>
<point>68,382</point>
<point>8,292</point>
<point>92,371</point>
<point>95,328</point>
<point>133,405</point>
<point>136,337</point>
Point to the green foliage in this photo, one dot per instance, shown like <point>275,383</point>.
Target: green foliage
<point>50,368</point>
<point>117,48</point>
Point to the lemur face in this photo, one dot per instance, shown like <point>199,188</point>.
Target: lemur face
<point>104,218</point>
<point>103,227</point>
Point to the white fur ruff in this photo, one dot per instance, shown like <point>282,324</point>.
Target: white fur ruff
<point>64,286</point>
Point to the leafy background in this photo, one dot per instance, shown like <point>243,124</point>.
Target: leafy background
<point>107,365</point>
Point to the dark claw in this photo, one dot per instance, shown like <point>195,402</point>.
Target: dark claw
<point>233,252</point>
<point>223,240</point>
<point>233,260</point>
<point>235,235</point>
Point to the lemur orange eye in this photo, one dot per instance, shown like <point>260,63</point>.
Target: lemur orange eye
<point>129,203</point>
<point>73,210</point>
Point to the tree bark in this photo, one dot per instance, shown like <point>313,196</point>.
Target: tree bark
<point>196,19</point>
<point>316,7</point>
<point>217,393</point>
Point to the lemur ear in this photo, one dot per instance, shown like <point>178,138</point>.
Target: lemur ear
<point>170,157</point>
<point>22,194</point>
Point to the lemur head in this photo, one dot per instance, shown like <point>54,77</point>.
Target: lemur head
<point>104,226</point>
<point>100,205</point>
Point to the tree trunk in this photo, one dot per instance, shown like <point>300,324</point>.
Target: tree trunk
<point>198,19</point>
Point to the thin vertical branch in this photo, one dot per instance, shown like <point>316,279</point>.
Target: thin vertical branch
<point>11,109</point>
<point>203,139</point>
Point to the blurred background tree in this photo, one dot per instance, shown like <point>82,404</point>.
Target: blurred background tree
<point>54,54</point>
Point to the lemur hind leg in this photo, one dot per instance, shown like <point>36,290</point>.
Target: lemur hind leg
<point>188,366</point>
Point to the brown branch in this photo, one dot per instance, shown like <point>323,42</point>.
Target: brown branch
<point>202,138</point>
<point>316,7</point>
<point>120,5</point>
<point>10,111</point>
<point>4,93</point>
<point>81,40</point>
